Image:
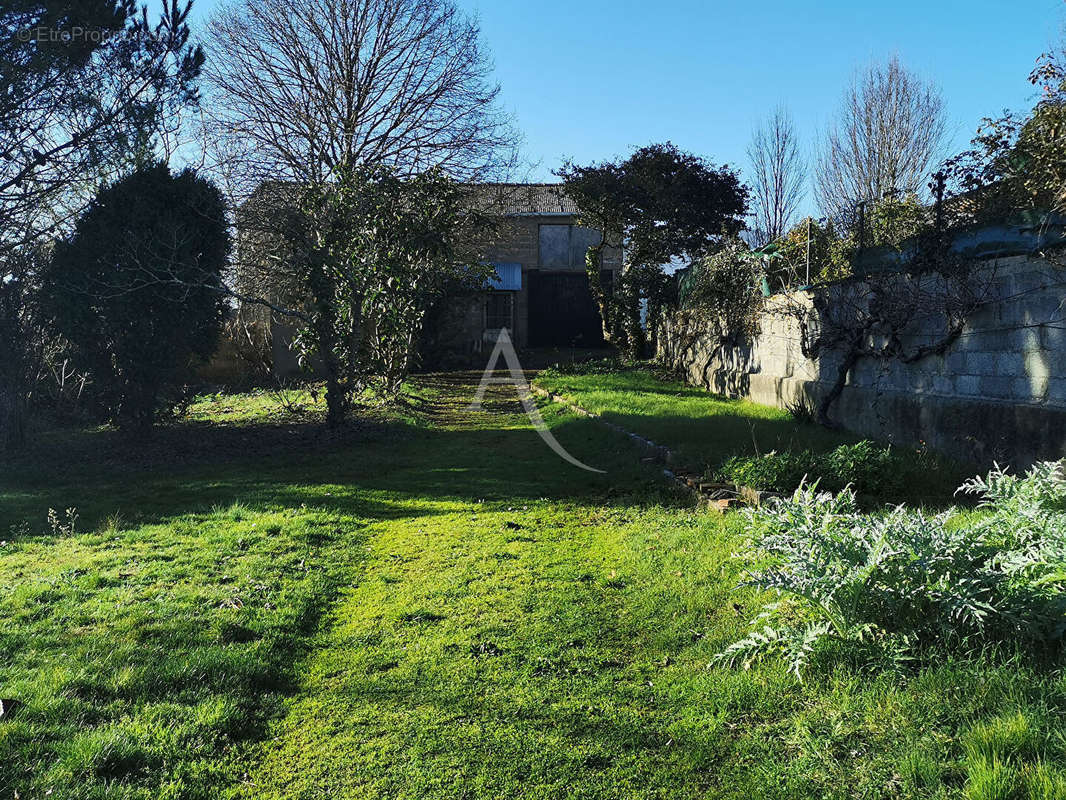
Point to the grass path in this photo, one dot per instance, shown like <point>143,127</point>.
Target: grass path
<point>487,650</point>
<point>435,607</point>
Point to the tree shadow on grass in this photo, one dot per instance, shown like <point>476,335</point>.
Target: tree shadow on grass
<point>481,702</point>
<point>382,470</point>
<point>196,615</point>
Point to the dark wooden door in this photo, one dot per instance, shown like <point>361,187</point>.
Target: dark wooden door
<point>562,312</point>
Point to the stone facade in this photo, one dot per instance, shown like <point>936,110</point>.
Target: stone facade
<point>997,394</point>
<point>519,241</point>
<point>551,294</point>
<point>550,305</point>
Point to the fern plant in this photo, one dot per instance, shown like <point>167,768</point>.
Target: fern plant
<point>903,579</point>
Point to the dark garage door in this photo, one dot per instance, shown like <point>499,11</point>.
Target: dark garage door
<point>562,312</point>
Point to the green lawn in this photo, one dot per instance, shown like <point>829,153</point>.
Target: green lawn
<point>705,430</point>
<point>433,605</point>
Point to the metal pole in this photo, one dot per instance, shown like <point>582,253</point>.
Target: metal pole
<point>808,251</point>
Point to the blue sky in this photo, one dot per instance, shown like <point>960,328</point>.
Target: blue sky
<point>589,79</point>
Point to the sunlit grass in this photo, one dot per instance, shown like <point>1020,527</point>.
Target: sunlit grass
<point>436,606</point>
<point>259,405</point>
<point>704,431</point>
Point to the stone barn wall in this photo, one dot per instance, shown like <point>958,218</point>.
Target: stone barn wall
<point>998,392</point>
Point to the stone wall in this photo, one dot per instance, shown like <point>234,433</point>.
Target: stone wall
<point>518,240</point>
<point>997,393</point>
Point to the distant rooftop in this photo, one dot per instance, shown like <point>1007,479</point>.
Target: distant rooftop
<point>517,199</point>
<point>525,198</point>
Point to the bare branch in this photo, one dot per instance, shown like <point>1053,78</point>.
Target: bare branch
<point>299,89</point>
<point>889,132</point>
<point>778,175</point>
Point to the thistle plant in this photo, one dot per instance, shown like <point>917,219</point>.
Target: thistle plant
<point>905,580</point>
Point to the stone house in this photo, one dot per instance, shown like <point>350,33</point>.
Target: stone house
<point>540,292</point>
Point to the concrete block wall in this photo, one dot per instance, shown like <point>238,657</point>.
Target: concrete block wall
<point>997,394</point>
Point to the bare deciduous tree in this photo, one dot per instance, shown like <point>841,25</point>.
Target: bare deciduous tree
<point>313,103</point>
<point>778,175</point>
<point>890,130</point>
<point>301,88</point>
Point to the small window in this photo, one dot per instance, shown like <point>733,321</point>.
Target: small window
<point>564,246</point>
<point>555,246</point>
<point>581,239</point>
<point>499,311</point>
<point>607,281</point>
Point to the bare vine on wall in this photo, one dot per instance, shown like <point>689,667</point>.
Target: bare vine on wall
<point>903,316</point>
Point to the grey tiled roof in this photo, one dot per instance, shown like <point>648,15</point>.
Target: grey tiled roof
<point>524,198</point>
<point>493,198</point>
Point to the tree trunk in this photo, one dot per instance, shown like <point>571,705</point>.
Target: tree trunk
<point>13,368</point>
<point>324,290</point>
<point>336,402</point>
<point>655,310</point>
<point>336,389</point>
<point>593,268</point>
<point>851,358</point>
<point>632,339</point>
<point>12,415</point>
